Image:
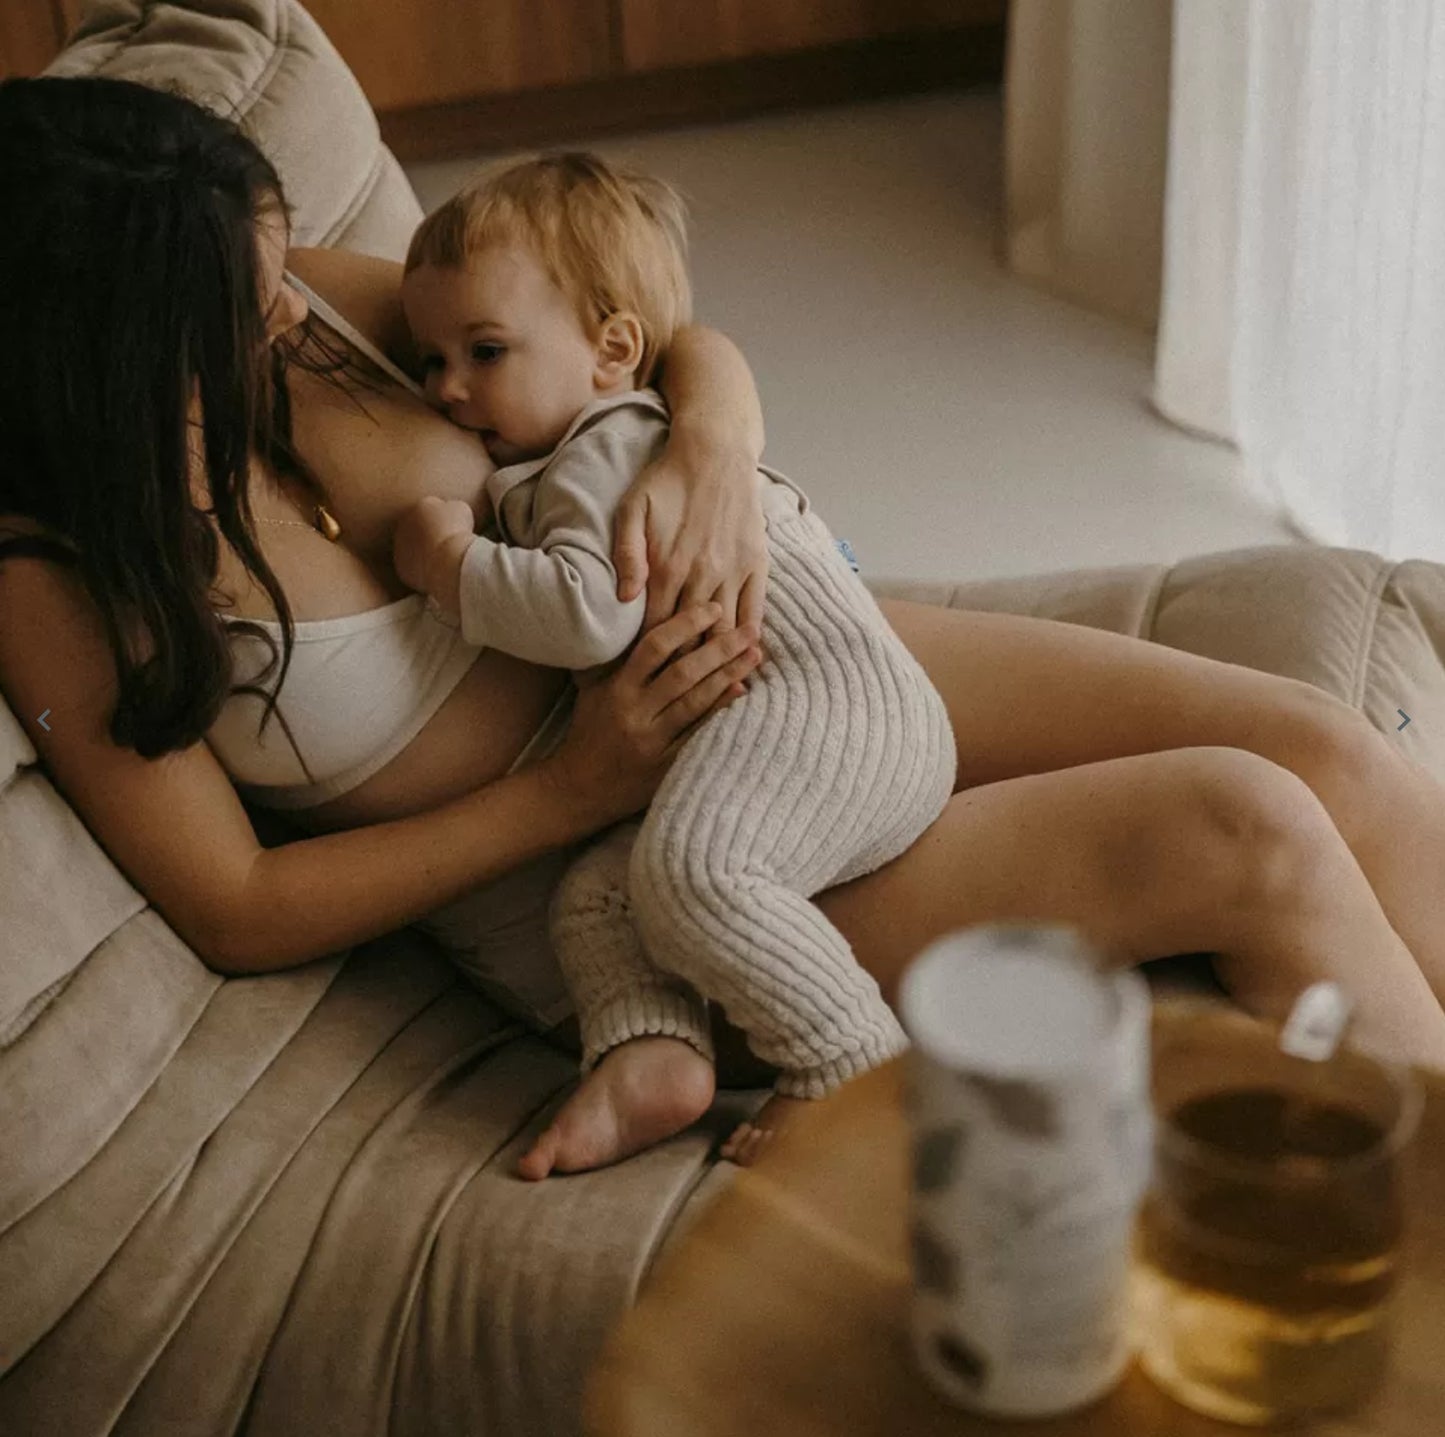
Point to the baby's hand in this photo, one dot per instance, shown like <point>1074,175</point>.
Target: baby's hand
<point>433,533</point>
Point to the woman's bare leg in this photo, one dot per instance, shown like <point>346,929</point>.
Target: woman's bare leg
<point>1189,850</point>
<point>1032,695</point>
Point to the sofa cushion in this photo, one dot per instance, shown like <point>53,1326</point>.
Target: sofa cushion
<point>267,64</point>
<point>45,940</point>
<point>286,1205</point>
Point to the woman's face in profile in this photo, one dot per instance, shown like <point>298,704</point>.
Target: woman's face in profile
<point>283,305</point>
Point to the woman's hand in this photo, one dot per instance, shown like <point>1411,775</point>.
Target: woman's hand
<point>691,526</point>
<point>691,529</point>
<point>628,726</point>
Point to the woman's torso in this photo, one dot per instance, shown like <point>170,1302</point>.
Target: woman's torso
<point>374,459</point>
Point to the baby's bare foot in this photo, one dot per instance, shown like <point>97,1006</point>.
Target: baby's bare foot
<point>749,1140</point>
<point>640,1093</point>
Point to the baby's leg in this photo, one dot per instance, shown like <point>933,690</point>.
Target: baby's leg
<point>618,993</point>
<point>780,970</point>
<point>647,1048</point>
<point>838,759</point>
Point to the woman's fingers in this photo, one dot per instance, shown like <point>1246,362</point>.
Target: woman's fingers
<point>629,548</point>
<point>700,586</point>
<point>726,595</point>
<point>696,679</point>
<point>714,692</point>
<point>664,592</point>
<point>659,644</point>
<point>750,599</point>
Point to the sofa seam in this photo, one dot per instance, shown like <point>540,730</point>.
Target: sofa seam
<point>339,227</point>
<point>186,1167</point>
<point>263,1196</point>
<point>1149,612</point>
<point>184,1038</point>
<point>1373,603</point>
<point>504,1037</point>
<point>30,1013</point>
<point>484,1048</point>
<point>279,46</point>
<point>116,46</point>
<point>670,1221</point>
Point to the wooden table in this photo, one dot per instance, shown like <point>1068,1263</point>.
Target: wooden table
<point>783,1310</point>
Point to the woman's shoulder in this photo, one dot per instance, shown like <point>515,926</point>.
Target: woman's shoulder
<point>24,538</point>
<point>365,289</point>
<point>47,619</point>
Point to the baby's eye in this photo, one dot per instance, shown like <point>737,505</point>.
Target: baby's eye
<point>430,362</point>
<point>483,353</point>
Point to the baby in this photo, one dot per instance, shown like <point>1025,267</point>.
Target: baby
<point>542,300</point>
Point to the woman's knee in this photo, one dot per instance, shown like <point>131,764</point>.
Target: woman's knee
<point>1262,836</point>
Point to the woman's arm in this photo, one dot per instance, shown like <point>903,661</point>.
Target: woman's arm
<point>711,393</point>
<point>691,526</point>
<point>176,828</point>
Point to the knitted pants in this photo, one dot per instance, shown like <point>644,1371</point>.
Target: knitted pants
<point>835,761</point>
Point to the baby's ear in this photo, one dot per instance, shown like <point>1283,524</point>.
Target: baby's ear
<point>619,346</point>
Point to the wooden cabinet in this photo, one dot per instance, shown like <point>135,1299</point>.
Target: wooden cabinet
<point>663,33</point>
<point>449,76</point>
<point>425,52</point>
<point>651,62</point>
<point>31,31</point>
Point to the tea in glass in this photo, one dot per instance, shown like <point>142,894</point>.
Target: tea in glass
<point>1268,1247</point>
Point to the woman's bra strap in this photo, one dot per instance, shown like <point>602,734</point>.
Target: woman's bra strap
<point>334,319</point>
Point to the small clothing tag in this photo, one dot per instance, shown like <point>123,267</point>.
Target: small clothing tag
<point>846,550</point>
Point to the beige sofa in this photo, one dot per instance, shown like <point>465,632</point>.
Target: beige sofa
<point>283,1205</point>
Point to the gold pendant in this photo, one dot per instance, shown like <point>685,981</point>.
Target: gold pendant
<point>327,524</point>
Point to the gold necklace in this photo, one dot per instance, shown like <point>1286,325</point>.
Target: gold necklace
<point>323,521</point>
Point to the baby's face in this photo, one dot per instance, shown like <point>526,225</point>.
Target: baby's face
<point>504,352</point>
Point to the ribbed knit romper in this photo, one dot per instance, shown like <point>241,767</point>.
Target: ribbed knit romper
<point>838,757</point>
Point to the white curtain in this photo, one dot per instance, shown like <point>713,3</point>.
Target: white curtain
<point>1303,306</point>
<point>1087,108</point>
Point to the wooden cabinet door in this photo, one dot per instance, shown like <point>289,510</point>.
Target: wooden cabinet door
<point>31,32</point>
<point>421,52</point>
<point>657,34</point>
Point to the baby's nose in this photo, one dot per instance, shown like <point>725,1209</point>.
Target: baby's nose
<point>452,389</point>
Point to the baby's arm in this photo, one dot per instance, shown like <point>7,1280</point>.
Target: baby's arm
<point>551,598</point>
<point>554,601</point>
<point>428,547</point>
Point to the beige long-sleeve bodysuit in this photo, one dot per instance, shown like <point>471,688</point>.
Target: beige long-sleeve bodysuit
<point>834,762</point>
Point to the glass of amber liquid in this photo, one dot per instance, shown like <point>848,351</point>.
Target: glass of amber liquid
<point>1268,1246</point>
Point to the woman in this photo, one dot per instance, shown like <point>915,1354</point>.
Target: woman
<point>167,451</point>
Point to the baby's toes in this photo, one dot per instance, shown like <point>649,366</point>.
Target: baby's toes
<point>736,1141</point>
<point>539,1160</point>
<point>754,1146</point>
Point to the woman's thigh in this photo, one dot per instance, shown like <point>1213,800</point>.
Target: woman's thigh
<point>1028,695</point>
<point>1149,855</point>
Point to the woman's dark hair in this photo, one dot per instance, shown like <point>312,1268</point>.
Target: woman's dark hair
<point>130,290</point>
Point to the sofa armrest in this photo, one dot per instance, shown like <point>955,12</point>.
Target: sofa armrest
<point>268,65</point>
<point>1369,630</point>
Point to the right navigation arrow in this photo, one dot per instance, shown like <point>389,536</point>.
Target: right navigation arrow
<point>1404,716</point>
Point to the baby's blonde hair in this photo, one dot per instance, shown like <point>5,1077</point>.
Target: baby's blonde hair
<point>610,239</point>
